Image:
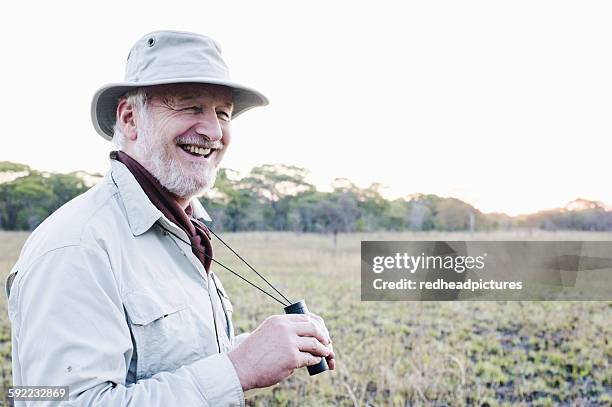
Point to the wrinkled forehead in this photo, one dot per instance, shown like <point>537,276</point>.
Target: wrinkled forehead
<point>185,92</point>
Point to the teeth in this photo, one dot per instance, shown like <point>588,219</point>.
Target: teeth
<point>197,150</point>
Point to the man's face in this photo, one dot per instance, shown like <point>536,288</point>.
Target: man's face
<point>185,135</point>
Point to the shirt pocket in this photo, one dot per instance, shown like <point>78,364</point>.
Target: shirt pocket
<point>164,331</point>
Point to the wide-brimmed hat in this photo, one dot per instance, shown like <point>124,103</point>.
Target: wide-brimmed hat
<point>165,57</point>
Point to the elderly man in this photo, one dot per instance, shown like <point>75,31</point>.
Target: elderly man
<point>113,295</point>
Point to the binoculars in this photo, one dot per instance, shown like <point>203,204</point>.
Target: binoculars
<point>300,308</point>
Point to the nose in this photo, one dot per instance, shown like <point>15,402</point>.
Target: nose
<point>208,126</point>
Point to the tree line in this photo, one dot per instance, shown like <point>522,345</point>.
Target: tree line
<point>278,197</point>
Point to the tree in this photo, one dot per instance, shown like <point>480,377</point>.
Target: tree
<point>26,201</point>
<point>418,215</point>
<point>10,171</point>
<point>453,214</point>
<point>337,214</point>
<point>276,185</point>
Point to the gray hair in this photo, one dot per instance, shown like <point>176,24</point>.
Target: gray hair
<point>138,99</point>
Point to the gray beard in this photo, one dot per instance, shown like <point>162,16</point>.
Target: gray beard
<point>171,173</point>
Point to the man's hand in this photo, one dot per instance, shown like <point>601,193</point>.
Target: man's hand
<point>331,362</point>
<point>281,344</point>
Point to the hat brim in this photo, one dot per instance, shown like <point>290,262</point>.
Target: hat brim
<point>105,100</point>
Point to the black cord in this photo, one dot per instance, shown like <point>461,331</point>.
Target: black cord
<point>227,268</point>
<point>215,317</point>
<point>245,262</point>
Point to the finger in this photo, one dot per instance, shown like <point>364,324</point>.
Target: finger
<point>313,346</point>
<point>315,316</point>
<point>306,359</point>
<point>311,329</point>
<point>331,363</point>
<point>331,352</point>
<point>321,323</point>
<point>296,317</point>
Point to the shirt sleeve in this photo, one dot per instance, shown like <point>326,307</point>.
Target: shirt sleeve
<point>69,329</point>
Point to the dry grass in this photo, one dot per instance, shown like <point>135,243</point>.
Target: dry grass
<point>405,353</point>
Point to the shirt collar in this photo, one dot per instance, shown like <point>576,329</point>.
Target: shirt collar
<point>141,213</point>
<point>198,210</point>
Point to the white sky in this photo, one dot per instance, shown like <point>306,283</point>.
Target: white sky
<point>507,105</point>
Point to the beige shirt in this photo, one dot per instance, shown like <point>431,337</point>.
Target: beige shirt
<point>106,302</point>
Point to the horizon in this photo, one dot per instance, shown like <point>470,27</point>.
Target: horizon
<point>329,188</point>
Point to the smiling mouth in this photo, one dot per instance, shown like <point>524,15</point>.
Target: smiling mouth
<point>196,150</point>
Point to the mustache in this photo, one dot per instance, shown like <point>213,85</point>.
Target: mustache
<point>200,142</point>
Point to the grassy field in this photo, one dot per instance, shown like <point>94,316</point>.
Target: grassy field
<point>410,353</point>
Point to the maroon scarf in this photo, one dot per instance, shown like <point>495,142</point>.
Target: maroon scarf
<point>164,201</point>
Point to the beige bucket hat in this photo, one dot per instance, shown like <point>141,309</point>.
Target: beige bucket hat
<point>164,57</point>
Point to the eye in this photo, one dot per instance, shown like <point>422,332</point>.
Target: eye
<point>223,115</point>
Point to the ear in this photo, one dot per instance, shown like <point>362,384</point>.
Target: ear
<point>126,119</point>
